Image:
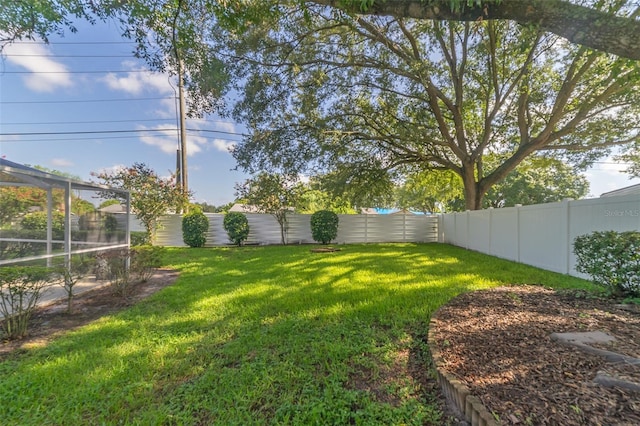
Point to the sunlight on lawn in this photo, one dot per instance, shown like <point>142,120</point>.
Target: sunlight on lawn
<point>262,335</point>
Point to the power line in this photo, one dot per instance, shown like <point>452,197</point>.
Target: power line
<point>30,55</point>
<point>75,72</point>
<point>84,122</point>
<point>88,132</point>
<point>73,42</point>
<point>85,132</point>
<point>86,100</point>
<point>102,121</point>
<point>216,131</point>
<point>90,139</point>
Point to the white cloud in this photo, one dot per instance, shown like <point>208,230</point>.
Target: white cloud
<point>168,140</point>
<point>222,145</point>
<point>56,75</point>
<point>137,81</point>
<point>112,169</point>
<point>61,162</point>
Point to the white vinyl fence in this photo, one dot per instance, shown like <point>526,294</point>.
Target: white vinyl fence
<point>541,235</point>
<point>264,229</point>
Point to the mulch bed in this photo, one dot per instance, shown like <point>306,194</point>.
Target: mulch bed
<point>498,343</point>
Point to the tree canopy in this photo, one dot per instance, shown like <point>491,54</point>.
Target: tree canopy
<point>369,98</point>
<point>368,91</point>
<point>611,27</point>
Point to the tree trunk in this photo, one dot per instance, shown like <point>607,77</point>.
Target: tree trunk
<point>282,221</point>
<point>473,195</point>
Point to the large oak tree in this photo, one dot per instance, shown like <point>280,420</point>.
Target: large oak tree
<point>371,97</point>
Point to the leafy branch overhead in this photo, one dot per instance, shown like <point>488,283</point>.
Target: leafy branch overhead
<point>608,30</point>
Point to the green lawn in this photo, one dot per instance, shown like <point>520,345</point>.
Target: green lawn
<point>261,335</point>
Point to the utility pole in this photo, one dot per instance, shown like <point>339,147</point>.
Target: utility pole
<point>183,130</point>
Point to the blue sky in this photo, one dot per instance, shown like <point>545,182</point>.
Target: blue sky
<point>53,96</point>
<point>49,94</point>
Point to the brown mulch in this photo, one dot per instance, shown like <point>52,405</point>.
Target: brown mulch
<point>497,343</point>
<point>51,320</point>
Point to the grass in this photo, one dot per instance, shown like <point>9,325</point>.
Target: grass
<point>262,335</point>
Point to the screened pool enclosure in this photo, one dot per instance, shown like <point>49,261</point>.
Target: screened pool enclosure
<point>45,219</point>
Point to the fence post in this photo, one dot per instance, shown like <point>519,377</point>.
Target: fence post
<point>490,229</point>
<point>567,224</point>
<point>404,228</point>
<point>518,206</point>
<point>466,237</point>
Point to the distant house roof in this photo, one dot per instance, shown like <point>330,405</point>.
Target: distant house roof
<point>114,208</point>
<point>403,211</point>
<point>244,208</point>
<point>628,190</point>
<point>368,211</point>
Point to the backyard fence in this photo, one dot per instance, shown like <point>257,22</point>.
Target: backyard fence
<point>264,229</point>
<point>541,235</point>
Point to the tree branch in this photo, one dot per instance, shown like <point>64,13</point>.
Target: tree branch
<point>593,28</point>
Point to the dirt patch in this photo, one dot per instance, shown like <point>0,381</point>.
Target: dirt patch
<point>497,342</point>
<point>51,320</point>
<point>325,250</point>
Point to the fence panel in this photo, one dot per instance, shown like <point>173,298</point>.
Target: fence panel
<point>504,233</point>
<point>479,231</point>
<point>541,235</point>
<point>264,229</point>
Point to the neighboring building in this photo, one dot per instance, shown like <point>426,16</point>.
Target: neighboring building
<point>244,208</point>
<point>368,211</point>
<point>628,190</point>
<point>114,208</point>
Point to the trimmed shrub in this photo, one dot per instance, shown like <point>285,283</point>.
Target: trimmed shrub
<point>194,228</point>
<point>324,226</point>
<point>237,227</point>
<point>139,238</point>
<point>145,260</point>
<point>612,259</point>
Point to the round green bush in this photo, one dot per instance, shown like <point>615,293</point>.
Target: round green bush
<point>194,228</point>
<point>139,238</point>
<point>237,227</point>
<point>324,226</point>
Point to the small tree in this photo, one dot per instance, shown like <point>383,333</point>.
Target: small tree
<point>194,228</point>
<point>20,290</point>
<point>273,194</point>
<point>324,226</point>
<point>70,275</point>
<point>151,195</point>
<point>237,227</point>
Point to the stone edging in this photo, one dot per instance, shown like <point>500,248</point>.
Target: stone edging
<point>456,392</point>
